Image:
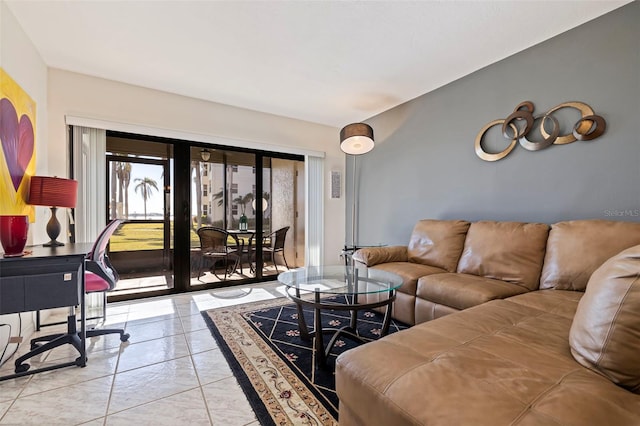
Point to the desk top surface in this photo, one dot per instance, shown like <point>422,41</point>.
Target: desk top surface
<point>39,251</point>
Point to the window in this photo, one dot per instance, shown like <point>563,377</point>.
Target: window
<point>234,169</point>
<point>204,190</point>
<point>204,210</point>
<point>234,188</point>
<point>205,170</point>
<point>234,209</point>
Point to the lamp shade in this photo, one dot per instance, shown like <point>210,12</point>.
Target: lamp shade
<point>356,139</point>
<point>53,192</point>
<point>264,204</point>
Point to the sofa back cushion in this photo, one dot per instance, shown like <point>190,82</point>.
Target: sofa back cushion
<point>437,243</point>
<point>605,333</point>
<point>577,248</point>
<point>508,251</point>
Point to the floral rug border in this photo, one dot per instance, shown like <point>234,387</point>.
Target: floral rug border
<point>275,392</point>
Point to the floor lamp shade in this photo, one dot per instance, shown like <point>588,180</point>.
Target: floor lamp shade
<point>356,139</point>
<point>53,192</point>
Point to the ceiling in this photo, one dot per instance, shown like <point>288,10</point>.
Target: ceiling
<point>328,62</point>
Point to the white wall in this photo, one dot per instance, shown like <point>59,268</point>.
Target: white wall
<point>23,63</point>
<point>84,96</point>
<point>58,93</point>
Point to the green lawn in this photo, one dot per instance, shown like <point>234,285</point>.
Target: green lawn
<point>145,236</point>
<point>142,236</point>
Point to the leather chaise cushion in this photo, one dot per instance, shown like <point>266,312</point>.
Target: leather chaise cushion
<point>605,333</point>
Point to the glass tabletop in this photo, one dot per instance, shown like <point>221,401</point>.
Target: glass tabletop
<point>340,279</point>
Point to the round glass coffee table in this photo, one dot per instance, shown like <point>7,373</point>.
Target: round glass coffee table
<point>316,286</point>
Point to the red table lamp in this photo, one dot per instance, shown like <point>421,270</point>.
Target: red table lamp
<point>53,192</point>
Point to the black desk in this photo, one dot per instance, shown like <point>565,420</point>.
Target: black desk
<point>46,278</point>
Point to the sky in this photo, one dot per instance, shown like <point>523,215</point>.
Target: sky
<point>154,202</point>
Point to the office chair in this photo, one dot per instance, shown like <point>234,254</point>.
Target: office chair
<point>99,277</point>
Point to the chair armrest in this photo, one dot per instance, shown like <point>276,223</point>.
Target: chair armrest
<point>371,256</point>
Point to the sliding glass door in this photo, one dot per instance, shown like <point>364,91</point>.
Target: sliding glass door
<point>253,204</point>
<point>223,221</point>
<point>177,197</point>
<point>139,182</point>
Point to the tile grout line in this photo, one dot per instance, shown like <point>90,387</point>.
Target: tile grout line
<point>182,309</point>
<point>204,399</point>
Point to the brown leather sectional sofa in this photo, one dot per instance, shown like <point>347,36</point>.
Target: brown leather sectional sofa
<point>515,352</point>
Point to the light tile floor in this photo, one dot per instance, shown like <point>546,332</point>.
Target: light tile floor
<point>170,372</point>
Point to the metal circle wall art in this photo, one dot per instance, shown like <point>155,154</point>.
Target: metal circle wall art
<point>517,126</point>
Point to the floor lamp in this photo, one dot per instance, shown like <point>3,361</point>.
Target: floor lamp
<point>355,139</point>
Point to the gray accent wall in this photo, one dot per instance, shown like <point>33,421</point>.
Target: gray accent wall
<point>424,164</point>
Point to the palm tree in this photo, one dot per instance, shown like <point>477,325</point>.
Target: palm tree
<point>123,172</point>
<point>124,175</point>
<point>242,201</point>
<point>219,196</point>
<point>114,190</point>
<point>146,186</point>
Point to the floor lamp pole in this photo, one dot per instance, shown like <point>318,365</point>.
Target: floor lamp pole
<point>353,207</point>
<point>355,139</point>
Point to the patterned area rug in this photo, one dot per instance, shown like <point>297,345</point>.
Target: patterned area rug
<point>276,368</point>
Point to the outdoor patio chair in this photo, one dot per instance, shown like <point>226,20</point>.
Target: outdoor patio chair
<point>274,243</point>
<point>214,245</point>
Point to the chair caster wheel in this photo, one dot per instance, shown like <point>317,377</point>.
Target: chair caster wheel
<point>22,368</point>
<point>124,337</point>
<point>80,362</point>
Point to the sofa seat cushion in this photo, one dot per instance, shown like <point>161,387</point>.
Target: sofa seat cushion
<point>410,272</point>
<point>605,335</point>
<point>462,291</point>
<point>575,249</point>
<point>507,251</point>
<point>498,363</point>
<point>437,243</point>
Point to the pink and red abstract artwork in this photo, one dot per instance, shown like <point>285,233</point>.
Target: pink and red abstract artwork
<point>17,156</point>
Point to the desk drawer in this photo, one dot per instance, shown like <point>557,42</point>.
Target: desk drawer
<point>42,291</point>
<point>55,290</point>
<point>11,295</point>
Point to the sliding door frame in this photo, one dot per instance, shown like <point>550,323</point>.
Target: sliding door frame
<point>182,142</point>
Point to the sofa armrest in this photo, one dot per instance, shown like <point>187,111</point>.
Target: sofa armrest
<point>371,256</point>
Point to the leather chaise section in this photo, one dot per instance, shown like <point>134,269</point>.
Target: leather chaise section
<point>500,363</point>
